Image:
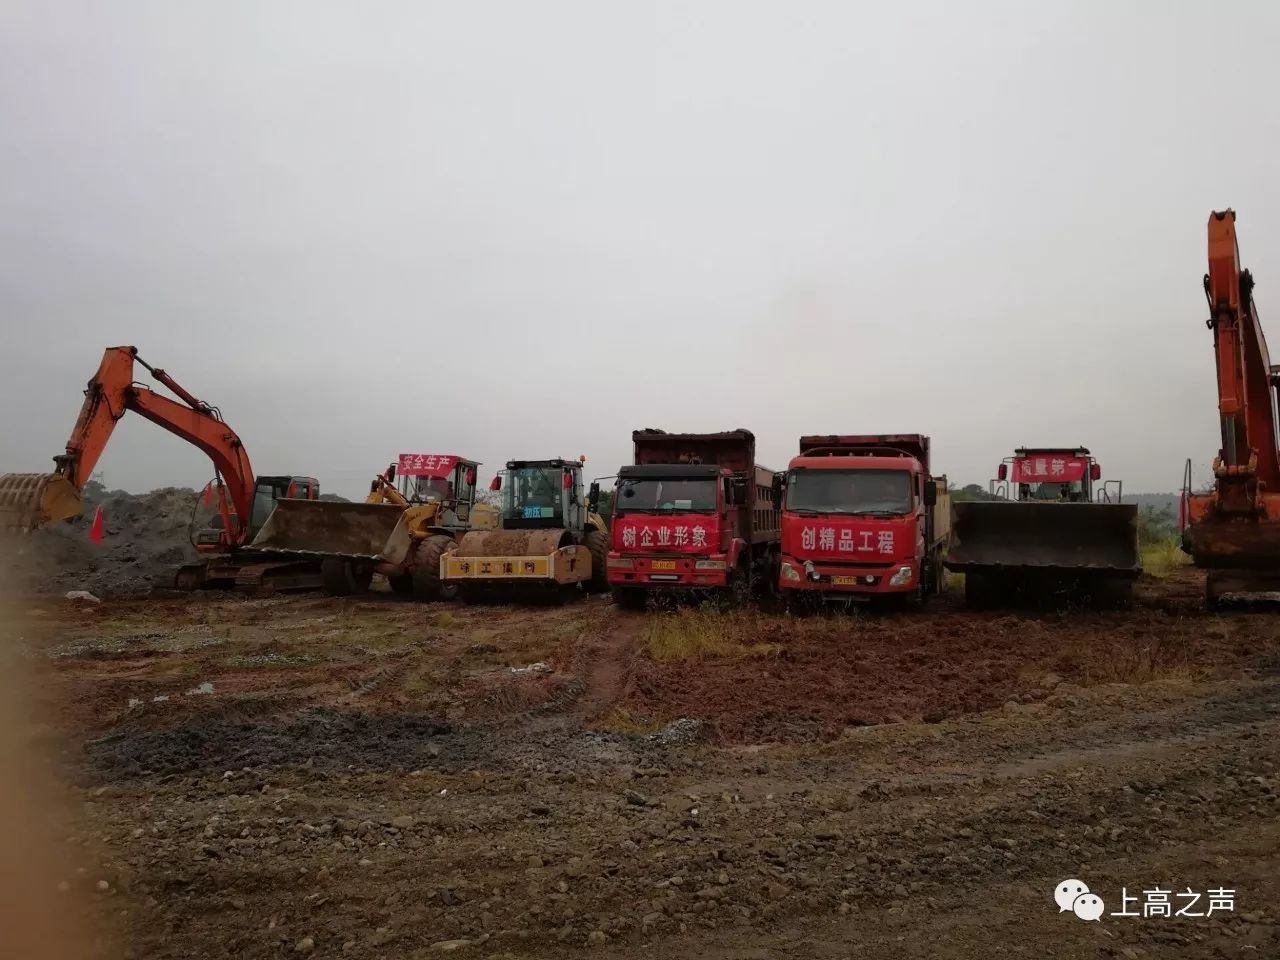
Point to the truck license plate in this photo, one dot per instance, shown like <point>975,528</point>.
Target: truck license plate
<point>662,565</point>
<point>845,581</point>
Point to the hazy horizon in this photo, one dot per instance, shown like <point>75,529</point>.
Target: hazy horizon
<point>523,231</point>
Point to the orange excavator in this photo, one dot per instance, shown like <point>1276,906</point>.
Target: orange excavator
<point>31,500</point>
<point>1233,532</point>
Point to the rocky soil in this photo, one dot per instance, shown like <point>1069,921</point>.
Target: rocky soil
<point>145,539</point>
<point>376,778</point>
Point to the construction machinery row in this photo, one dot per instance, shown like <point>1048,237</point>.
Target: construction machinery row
<point>852,518</point>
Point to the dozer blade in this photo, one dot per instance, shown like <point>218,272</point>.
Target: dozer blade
<point>30,500</point>
<point>319,528</point>
<point>1067,538</point>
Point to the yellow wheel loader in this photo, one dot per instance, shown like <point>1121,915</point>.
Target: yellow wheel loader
<point>414,514</point>
<point>549,545</point>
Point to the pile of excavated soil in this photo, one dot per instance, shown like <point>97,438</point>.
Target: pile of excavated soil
<point>145,537</point>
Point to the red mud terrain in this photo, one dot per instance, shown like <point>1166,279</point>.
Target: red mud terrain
<point>376,778</point>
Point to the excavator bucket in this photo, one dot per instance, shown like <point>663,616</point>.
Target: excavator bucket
<point>30,500</point>
<point>319,528</point>
<point>1095,539</point>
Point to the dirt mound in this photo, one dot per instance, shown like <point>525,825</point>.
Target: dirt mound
<point>144,537</point>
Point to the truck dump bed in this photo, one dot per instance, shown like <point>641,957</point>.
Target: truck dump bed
<point>851,445</point>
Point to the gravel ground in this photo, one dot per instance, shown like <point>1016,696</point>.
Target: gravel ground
<point>375,778</point>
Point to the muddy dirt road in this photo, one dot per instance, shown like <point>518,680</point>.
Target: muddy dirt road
<point>374,778</point>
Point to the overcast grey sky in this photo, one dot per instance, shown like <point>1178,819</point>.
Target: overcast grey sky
<point>524,229</point>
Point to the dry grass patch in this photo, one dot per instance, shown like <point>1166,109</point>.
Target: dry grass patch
<point>1161,558</point>
<point>696,635</point>
<point>1092,664</point>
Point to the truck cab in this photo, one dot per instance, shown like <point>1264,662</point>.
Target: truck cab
<point>862,517</point>
<point>694,512</point>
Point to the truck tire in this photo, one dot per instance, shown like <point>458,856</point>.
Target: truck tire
<point>343,578</point>
<point>630,598</point>
<point>597,544</point>
<point>737,593</point>
<point>426,570</point>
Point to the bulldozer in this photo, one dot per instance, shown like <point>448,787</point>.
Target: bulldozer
<point>415,512</point>
<point>1050,531</point>
<point>549,544</point>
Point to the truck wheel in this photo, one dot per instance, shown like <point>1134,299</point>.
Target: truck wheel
<point>426,570</point>
<point>630,598</point>
<point>343,578</point>
<point>738,593</point>
<point>597,544</point>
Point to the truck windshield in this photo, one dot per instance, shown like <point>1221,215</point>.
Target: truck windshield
<point>533,493</point>
<point>849,491</point>
<point>653,495</point>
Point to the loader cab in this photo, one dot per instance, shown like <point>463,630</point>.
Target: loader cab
<point>541,495</point>
<point>1054,475</point>
<point>445,479</point>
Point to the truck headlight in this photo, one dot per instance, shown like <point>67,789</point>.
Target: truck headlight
<point>708,565</point>
<point>900,577</point>
<point>790,573</point>
<point>621,563</point>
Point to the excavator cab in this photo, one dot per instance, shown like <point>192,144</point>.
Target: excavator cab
<point>267,491</point>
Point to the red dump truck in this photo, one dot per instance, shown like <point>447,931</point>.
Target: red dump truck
<point>862,518</point>
<point>695,512</point>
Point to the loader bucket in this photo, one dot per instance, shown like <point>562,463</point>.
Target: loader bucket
<point>320,528</point>
<point>30,500</point>
<point>1066,538</point>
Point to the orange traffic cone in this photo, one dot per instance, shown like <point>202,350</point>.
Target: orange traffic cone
<point>95,531</point>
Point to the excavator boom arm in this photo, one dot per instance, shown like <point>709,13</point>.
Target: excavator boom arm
<point>110,394</point>
<point>1246,399</point>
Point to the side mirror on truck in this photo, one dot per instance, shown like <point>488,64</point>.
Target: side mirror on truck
<point>779,481</point>
<point>1095,472</point>
<point>496,483</point>
<point>930,492</point>
<point>593,496</point>
<point>738,491</point>
<point>1002,472</point>
<point>391,473</point>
